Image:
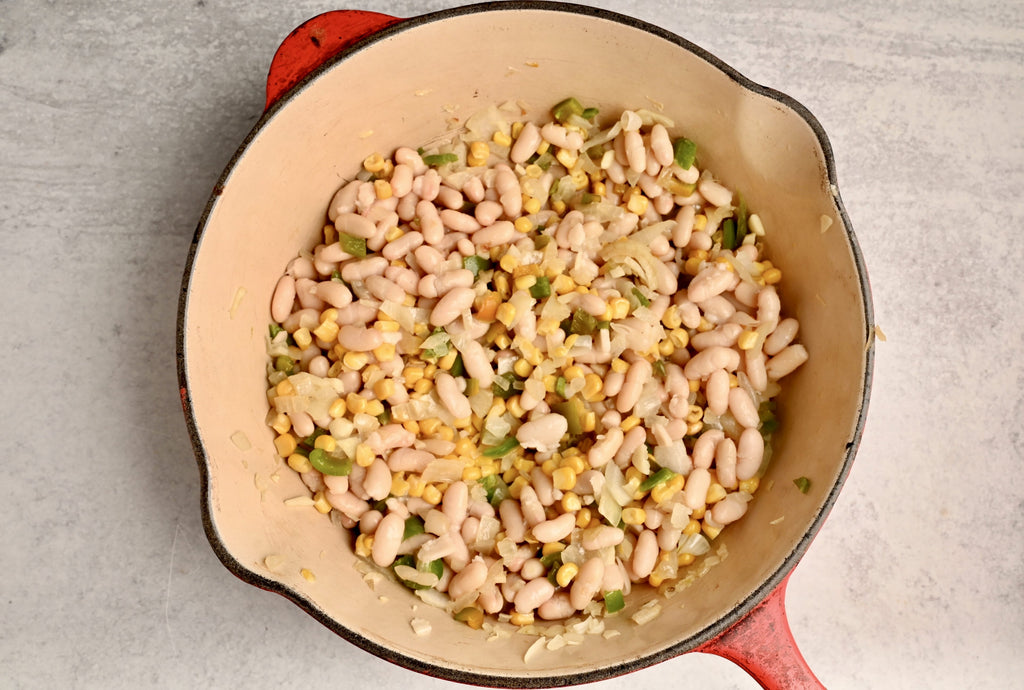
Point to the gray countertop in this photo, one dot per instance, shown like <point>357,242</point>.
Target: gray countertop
<point>116,119</point>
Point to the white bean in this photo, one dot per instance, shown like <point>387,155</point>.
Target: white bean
<point>431,226</point>
<point>501,232</point>
<point>587,583</point>
<point>525,144</point>
<point>723,335</point>
<point>488,211</point>
<point>334,292</point>
<point>705,362</point>
<point>469,579</point>
<point>387,539</point>
<point>645,554</point>
<point>725,463</point>
<point>305,291</point>
<point>712,280</point>
<point>377,482</point>
<point>457,221</point>
<point>729,509</point>
<point>533,510</point>
<point>284,298</point>
<point>556,608</point>
<point>768,305</point>
<point>638,374</point>
<point>786,361</point>
<point>355,271</point>
<point>781,337</point>
<point>533,594</point>
<point>704,447</point>
<point>605,447</point>
<point>409,460</point>
<point>636,152</point>
<point>613,381</point>
<point>633,439</point>
<point>478,366</point>
<point>344,200</point>
<point>349,504</point>
<point>749,453</point>
<point>359,338</point>
<point>754,364</point>
<point>601,536</point>
<point>714,193</point>
<point>402,246</point>
<point>355,225</point>
<point>742,407</point>
<point>695,491</point>
<point>543,434</point>
<point>661,145</point>
<point>556,529</point>
<point>450,395</point>
<point>384,289</point>
<point>668,536</point>
<point>532,569</point>
<point>449,307</point>
<point>717,391</point>
<point>512,518</point>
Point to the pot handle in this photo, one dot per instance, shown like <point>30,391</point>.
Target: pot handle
<point>762,644</point>
<point>315,42</point>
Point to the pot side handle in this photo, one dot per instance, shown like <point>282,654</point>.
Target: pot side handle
<point>763,646</point>
<point>315,42</point>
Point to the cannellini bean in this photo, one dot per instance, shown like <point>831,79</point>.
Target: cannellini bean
<point>717,309</point>
<point>786,361</point>
<point>469,579</point>
<point>614,578</point>
<point>284,298</point>
<point>714,193</point>
<point>633,439</point>
<point>450,198</point>
<point>387,539</point>
<point>533,594</point>
<point>725,463</point>
<point>359,338</point>
<point>661,145</point>
<point>638,374</point>
<point>533,509</point>
<point>377,482</point>
<point>512,518</point>
<point>490,599</point>
<point>723,335</point>
<point>319,366</point>
<point>601,536</point>
<point>431,226</point>
<point>474,358</point>
<point>668,536</point>
<point>355,271</point>
<point>768,305</point>
<point>355,313</point>
<point>712,280</point>
<point>587,583</point>
<point>458,221</point>
<point>532,569</point>
<point>369,520</point>
<point>449,307</point>
<point>556,608</point>
<point>409,460</point>
<point>543,434</point>
<point>455,502</point>
<point>302,267</point>
<point>543,485</point>
<point>555,529</point>
<point>429,258</point>
<point>470,529</point>
<point>605,448</point>
<point>754,364</point>
<point>589,483</point>
<point>525,144</point>
<point>561,137</point>
<point>705,362</point>
<point>334,292</point>
<point>305,292</point>
<point>717,391</point>
<point>749,453</point>
<point>384,289</point>
<point>636,152</point>
<point>355,225</point>
<point>781,337</point>
<point>613,381</point>
<point>344,200</point>
<point>302,423</point>
<point>488,211</point>
<point>743,408</point>
<point>390,436</point>
<point>450,395</point>
<point>746,293</point>
<point>645,554</point>
<point>500,232</point>
<point>695,491</point>
<point>402,246</point>
<point>729,509</point>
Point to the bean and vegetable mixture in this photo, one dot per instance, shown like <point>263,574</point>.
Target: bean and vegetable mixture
<point>532,366</point>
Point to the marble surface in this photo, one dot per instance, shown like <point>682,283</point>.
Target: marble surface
<point>116,118</point>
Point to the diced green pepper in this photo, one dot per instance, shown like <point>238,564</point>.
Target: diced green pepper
<point>502,386</point>
<point>603,325</point>
<point>659,477</point>
<point>583,322</point>
<point>658,366</point>
<point>475,264</point>
<point>440,159</point>
<point>506,446</point>
<point>803,484</point>
<point>274,330</point>
<point>741,219</point>
<point>471,616</point>
<point>285,364</point>
<point>589,113</point>
<point>684,151</point>
<point>413,526</point>
<point>328,464</point>
<point>614,601</point>
<point>496,488</point>
<point>572,410</point>
<point>641,298</point>
<point>541,289</point>
<point>356,246</point>
<point>729,233</point>
<point>436,567</point>
<point>458,367</point>
<point>566,109</point>
<point>560,386</point>
<point>310,440</point>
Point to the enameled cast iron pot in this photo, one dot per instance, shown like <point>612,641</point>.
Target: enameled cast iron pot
<point>348,83</point>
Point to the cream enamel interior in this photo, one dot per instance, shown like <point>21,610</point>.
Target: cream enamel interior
<point>405,89</point>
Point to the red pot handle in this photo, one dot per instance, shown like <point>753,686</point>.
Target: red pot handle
<point>763,645</point>
<point>315,42</point>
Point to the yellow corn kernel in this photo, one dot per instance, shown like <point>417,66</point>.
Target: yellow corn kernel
<point>364,545</point>
<point>577,463</point>
<point>747,340</point>
<point>583,518</point>
<point>465,446</point>
<point>552,547</point>
<point>704,326</point>
<point>589,421</point>
<point>665,491</point>
<point>733,381</point>
<point>563,478</point>
<point>523,224</point>
<point>365,455</point>
<point>637,203</point>
<point>567,158</point>
<point>446,433</point>
<point>679,337</point>
<point>330,234</point>
<point>431,494</point>
<point>320,503</point>
<point>531,205</point>
<point>533,170</point>
<point>374,408</point>
<point>385,352</point>
<point>570,503</point>
<point>696,412</point>
<point>749,486</point>
<point>579,179</point>
<point>478,154</point>
<point>517,486</point>
<point>356,403</point>
<point>384,389</point>
<point>525,282</point>
<point>505,313</point>
<point>532,353</point>
<point>412,426</point>
<point>501,139</point>
<point>337,408</point>
<point>303,338</point>
<point>549,466</point>
<point>710,531</point>
<point>558,206</point>
<point>423,386</point>
<point>325,442</point>
<point>700,221</point>
<point>629,422</point>
<point>429,371</point>
<point>355,360</point>
<point>448,361</point>
<point>371,372</point>
<point>373,163</point>
<point>716,492</point>
<point>410,375</point>
<point>299,463</point>
<point>694,386</point>
<point>508,263</point>
<point>327,331</point>
<point>489,467</point>
<point>620,308</point>
<point>497,407</point>
<point>685,559</point>
<point>285,444</point>
<point>430,426</point>
<point>620,365</point>
<point>563,284</point>
<point>399,485</point>
<point>655,579</point>
<point>666,347</point>
<point>281,423</point>
<point>521,619</point>
<point>566,574</point>
<point>513,406</point>
<point>592,387</point>
<point>330,314</point>
<point>510,475</point>
<point>771,276</point>
<point>672,318</point>
<point>692,527</point>
<point>382,188</point>
<point>694,428</point>
<point>698,514</point>
<point>471,473</point>
<point>416,486</point>
<point>502,341</point>
<point>692,266</point>
<point>394,232</point>
<point>634,516</point>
